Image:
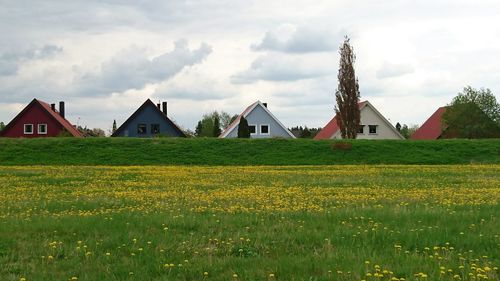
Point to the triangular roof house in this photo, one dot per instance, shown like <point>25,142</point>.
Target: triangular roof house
<point>373,125</point>
<point>262,123</point>
<point>39,119</point>
<point>148,121</point>
<point>432,128</point>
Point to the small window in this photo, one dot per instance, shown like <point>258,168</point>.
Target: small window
<point>264,129</point>
<point>372,129</point>
<point>361,129</point>
<point>28,129</point>
<point>155,128</point>
<point>141,129</point>
<point>42,129</point>
<point>252,129</point>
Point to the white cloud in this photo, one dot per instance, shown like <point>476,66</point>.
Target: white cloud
<point>302,39</point>
<point>132,69</point>
<point>389,70</point>
<point>282,67</point>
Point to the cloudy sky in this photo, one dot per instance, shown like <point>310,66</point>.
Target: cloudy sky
<point>106,57</point>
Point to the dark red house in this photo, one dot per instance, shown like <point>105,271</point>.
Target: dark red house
<point>39,119</point>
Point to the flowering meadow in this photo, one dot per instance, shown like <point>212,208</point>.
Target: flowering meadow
<point>371,222</point>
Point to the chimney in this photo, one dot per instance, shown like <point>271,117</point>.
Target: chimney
<point>61,109</point>
<point>158,105</point>
<point>164,104</point>
<point>264,104</point>
<point>53,106</point>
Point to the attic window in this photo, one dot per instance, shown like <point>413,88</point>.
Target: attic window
<point>264,129</point>
<point>155,128</point>
<point>372,129</point>
<point>141,129</point>
<point>42,129</point>
<point>361,129</point>
<point>252,129</point>
<point>28,129</point>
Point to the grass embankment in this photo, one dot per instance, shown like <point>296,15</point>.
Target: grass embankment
<point>168,151</point>
<point>250,223</point>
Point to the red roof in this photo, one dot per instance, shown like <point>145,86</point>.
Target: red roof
<point>47,109</point>
<point>432,128</point>
<point>65,123</point>
<point>332,127</point>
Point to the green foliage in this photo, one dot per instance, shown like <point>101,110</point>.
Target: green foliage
<point>96,132</point>
<point>304,132</point>
<point>212,124</point>
<point>114,127</point>
<point>208,151</point>
<point>2,125</point>
<point>216,127</point>
<point>406,131</point>
<point>347,93</point>
<point>243,129</point>
<point>472,114</point>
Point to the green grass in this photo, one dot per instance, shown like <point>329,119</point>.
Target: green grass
<point>296,222</point>
<point>206,151</point>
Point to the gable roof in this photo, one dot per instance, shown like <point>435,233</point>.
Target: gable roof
<point>332,127</point>
<point>432,127</point>
<point>147,103</point>
<point>47,109</point>
<point>245,113</point>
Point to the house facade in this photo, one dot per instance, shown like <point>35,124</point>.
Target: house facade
<point>39,119</point>
<point>373,125</point>
<point>261,122</point>
<point>149,121</point>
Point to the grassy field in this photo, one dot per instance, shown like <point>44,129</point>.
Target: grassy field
<point>211,151</point>
<point>364,222</point>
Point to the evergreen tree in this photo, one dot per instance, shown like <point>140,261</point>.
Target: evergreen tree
<point>347,93</point>
<point>198,129</point>
<point>243,129</point>
<point>114,126</point>
<point>2,125</point>
<point>216,130</point>
<point>305,133</point>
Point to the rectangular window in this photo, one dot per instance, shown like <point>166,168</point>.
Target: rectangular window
<point>361,129</point>
<point>42,129</point>
<point>155,128</point>
<point>252,129</point>
<point>264,129</point>
<point>28,129</point>
<point>141,129</point>
<point>372,129</point>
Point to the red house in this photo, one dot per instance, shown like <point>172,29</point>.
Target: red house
<point>39,119</point>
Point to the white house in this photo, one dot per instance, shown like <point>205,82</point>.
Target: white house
<point>261,122</point>
<point>373,125</point>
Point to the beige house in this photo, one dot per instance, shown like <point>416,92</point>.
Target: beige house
<point>373,126</point>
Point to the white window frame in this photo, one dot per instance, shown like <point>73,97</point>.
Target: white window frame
<point>256,132</point>
<point>376,130</point>
<point>32,129</point>
<point>268,129</point>
<point>38,129</point>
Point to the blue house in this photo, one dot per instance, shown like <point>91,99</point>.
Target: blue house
<point>148,121</point>
<point>261,122</point>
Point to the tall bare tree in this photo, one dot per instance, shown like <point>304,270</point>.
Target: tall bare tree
<point>347,93</point>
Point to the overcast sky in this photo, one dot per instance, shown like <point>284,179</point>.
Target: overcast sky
<point>106,57</point>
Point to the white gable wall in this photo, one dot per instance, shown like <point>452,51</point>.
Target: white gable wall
<point>370,117</point>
